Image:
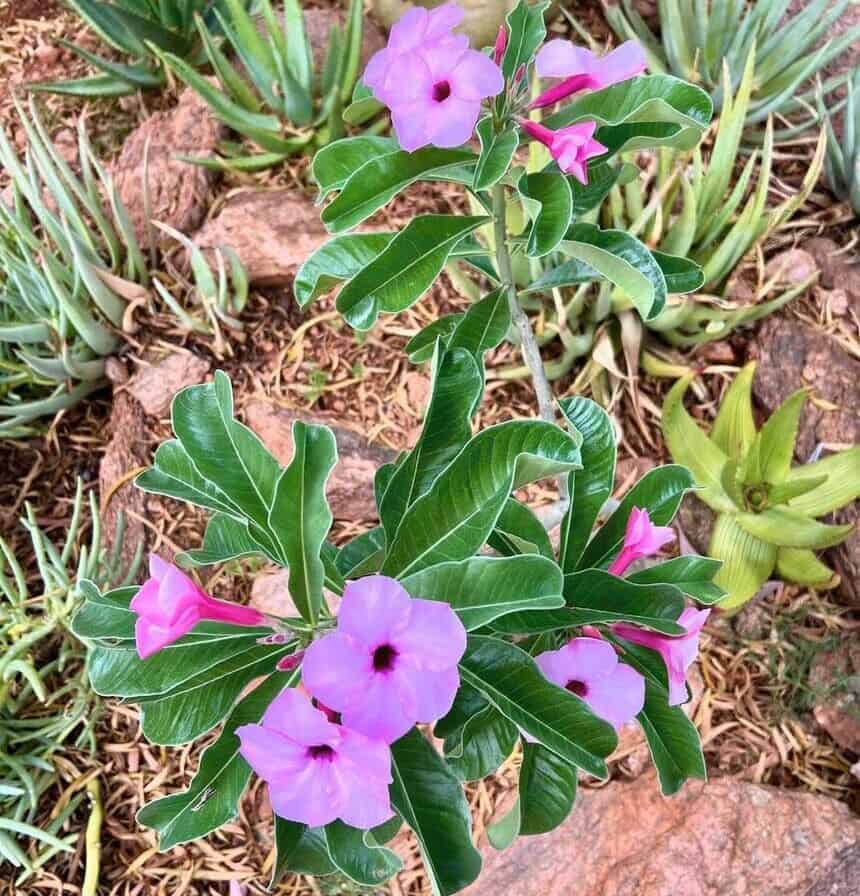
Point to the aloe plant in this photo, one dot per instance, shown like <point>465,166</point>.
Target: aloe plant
<point>69,263</point>
<point>45,701</point>
<point>697,38</point>
<point>275,100</point>
<point>136,29</point>
<point>842,164</point>
<point>767,508</point>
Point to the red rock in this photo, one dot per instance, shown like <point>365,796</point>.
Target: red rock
<point>726,838</point>
<point>154,385</point>
<point>273,232</point>
<point>180,193</point>
<point>350,487</point>
<point>835,675</point>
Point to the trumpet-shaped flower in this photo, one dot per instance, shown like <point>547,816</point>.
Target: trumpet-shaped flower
<point>317,771</point>
<point>641,539</point>
<point>589,668</point>
<point>677,653</point>
<point>571,147</point>
<point>431,80</point>
<point>392,661</point>
<point>169,605</point>
<point>583,70</point>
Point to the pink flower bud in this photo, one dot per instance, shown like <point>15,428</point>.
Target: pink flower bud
<point>501,45</point>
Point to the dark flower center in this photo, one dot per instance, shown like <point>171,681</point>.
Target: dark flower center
<point>321,751</point>
<point>577,687</point>
<point>384,657</point>
<point>441,91</point>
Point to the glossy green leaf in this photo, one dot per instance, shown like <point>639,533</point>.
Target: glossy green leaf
<point>369,865</point>
<point>549,204</point>
<point>379,180</point>
<point>455,518</point>
<point>105,618</point>
<point>300,516</point>
<point>430,799</point>
<point>497,150</point>
<point>301,850</point>
<point>405,269</point>
<point>481,589</point>
<point>789,529</point>
<point>337,162</point>
<point>659,492</point>
<point>519,531</point>
<point>509,679</point>
<point>363,555</point>
<point>225,538</point>
<point>457,384</point>
<point>691,447</point>
<point>481,746</point>
<point>624,261</point>
<point>682,275</point>
<point>734,428</point>
<point>644,604</point>
<point>526,32</point>
<point>591,486</point>
<point>213,797</point>
<point>694,575</point>
<point>602,177</point>
<point>421,346</point>
<point>336,261</point>
<point>747,561</point>
<point>484,325</point>
<point>642,113</point>
<point>841,487</point>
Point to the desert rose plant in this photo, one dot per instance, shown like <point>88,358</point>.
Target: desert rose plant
<point>416,622</point>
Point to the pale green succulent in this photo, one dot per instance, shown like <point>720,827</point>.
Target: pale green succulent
<point>45,700</point>
<point>842,165</point>
<point>767,508</point>
<point>698,37</point>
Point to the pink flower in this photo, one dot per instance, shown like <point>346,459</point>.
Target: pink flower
<point>642,539</point>
<point>317,771</point>
<point>582,70</point>
<point>501,44</point>
<point>431,80</point>
<point>677,653</point>
<point>169,605</point>
<point>571,147</point>
<point>589,668</point>
<point>392,661</point>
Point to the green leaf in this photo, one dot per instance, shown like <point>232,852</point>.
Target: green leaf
<point>549,203</point>
<point>642,113</point>
<point>457,385</point>
<point>692,574</point>
<point>802,566</point>
<point>381,179</point>
<point>455,518</point>
<point>789,529</point>
<point>691,447</point>
<point>519,531</point>
<point>366,864</point>
<point>602,177</point>
<point>336,163</point>
<point>225,538</point>
<point>778,436</point>
<point>363,555</point>
<point>624,261</point>
<point>591,486</point>
<point>334,262</point>
<point>105,618</point>
<point>484,325</point>
<point>747,561</point>
<point>481,589</point>
<point>213,797</point>
<point>226,453</point>
<point>481,745</point>
<point>497,150</point>
<point>682,275</point>
<point>430,799</point>
<point>405,269</point>
<point>672,739</point>
<point>509,679</point>
<point>300,849</point>
<point>300,516</point>
<point>659,492</point>
<point>841,487</point>
<point>421,346</point>
<point>734,428</point>
<point>526,32</point>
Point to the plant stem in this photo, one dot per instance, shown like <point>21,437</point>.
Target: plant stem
<point>528,344</point>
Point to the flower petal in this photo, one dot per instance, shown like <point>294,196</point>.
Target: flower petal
<point>624,62</point>
<point>314,796</point>
<point>337,669</point>
<point>384,711</point>
<point>434,691</point>
<point>618,697</point>
<point>364,756</point>
<point>452,123</point>
<point>292,714</point>
<point>585,659</point>
<point>269,753</point>
<point>366,804</point>
<point>475,77</point>
<point>561,59</point>
<point>373,610</point>
<point>435,638</point>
